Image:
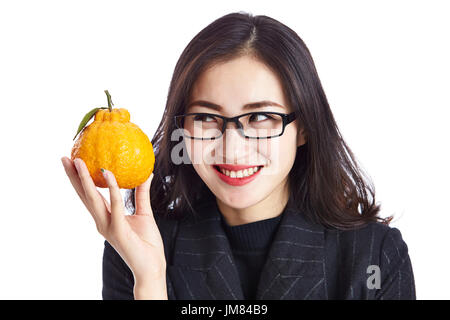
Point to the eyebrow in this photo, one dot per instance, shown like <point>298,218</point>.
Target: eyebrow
<point>253,105</point>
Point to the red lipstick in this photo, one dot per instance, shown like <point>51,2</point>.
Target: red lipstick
<point>235,181</point>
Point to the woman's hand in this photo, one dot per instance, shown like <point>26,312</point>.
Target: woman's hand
<point>135,237</point>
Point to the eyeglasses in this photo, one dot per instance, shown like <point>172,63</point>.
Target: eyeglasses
<point>252,125</point>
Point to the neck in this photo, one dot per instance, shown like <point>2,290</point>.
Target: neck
<point>270,207</point>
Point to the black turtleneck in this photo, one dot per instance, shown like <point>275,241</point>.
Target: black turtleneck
<point>249,244</point>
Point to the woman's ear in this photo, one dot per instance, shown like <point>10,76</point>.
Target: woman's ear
<point>301,137</point>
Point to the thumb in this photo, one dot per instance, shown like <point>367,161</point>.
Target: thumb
<point>142,197</point>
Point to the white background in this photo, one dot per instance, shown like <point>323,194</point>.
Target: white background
<point>384,66</point>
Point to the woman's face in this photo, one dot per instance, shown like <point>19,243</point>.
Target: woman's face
<point>232,85</point>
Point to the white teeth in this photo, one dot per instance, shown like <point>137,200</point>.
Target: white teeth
<point>241,173</point>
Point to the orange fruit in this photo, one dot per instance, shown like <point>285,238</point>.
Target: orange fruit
<point>114,143</point>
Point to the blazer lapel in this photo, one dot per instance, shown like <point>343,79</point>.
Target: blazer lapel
<point>295,266</point>
<point>202,264</point>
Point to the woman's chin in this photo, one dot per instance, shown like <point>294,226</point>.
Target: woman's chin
<point>238,200</point>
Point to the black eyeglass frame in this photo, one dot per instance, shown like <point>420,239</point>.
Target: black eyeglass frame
<point>286,118</point>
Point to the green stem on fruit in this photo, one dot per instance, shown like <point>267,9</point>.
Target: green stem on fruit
<point>110,103</point>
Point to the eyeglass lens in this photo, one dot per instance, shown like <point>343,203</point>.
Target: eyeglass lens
<point>257,125</point>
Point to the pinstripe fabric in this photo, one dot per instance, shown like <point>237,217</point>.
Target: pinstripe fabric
<point>305,261</point>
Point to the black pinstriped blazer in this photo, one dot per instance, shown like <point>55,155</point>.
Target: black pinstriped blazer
<point>305,261</point>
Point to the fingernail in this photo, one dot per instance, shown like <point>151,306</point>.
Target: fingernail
<point>103,172</point>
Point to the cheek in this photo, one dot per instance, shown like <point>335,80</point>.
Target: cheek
<point>194,149</point>
<point>201,154</point>
<point>191,146</point>
<point>280,153</point>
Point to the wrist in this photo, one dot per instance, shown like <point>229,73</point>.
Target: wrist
<point>152,273</point>
<point>150,288</point>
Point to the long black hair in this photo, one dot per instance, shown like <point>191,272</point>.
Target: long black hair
<point>326,183</point>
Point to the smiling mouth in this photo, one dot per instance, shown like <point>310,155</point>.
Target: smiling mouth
<point>243,173</point>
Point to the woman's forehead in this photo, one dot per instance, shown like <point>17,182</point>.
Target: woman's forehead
<point>237,83</point>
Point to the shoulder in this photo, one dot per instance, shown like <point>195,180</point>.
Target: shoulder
<point>373,244</point>
<point>373,235</point>
<point>355,257</point>
<point>372,229</point>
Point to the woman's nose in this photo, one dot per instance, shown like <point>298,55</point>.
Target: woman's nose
<point>233,142</point>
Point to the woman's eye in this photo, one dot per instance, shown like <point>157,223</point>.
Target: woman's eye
<point>259,117</point>
<point>204,118</point>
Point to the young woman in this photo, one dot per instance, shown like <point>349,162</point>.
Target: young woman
<point>255,194</point>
